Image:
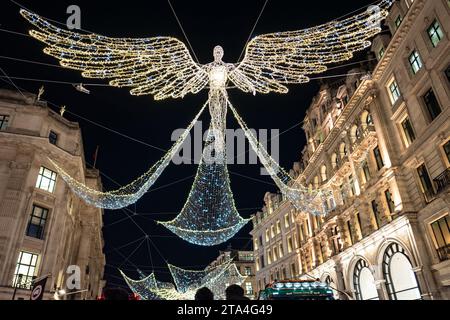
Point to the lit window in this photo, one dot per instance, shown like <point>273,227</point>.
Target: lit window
<point>398,21</point>
<point>53,138</point>
<point>267,235</point>
<point>394,91</point>
<point>281,250</point>
<point>25,270</point>
<point>435,33</point>
<point>248,271</point>
<point>408,132</point>
<point>286,221</point>
<point>248,289</point>
<point>290,245</point>
<point>381,53</point>
<point>36,225</point>
<point>272,231</point>
<point>4,120</point>
<point>46,180</point>
<point>441,235</point>
<point>432,104</point>
<point>415,62</point>
<point>278,227</point>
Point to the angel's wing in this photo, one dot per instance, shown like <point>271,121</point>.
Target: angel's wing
<point>159,66</point>
<point>276,59</point>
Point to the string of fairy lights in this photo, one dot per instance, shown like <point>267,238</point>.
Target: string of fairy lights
<point>164,68</point>
<point>187,282</point>
<point>132,192</point>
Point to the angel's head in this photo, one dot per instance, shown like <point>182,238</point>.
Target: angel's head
<point>218,54</point>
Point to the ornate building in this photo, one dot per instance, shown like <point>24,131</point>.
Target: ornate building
<point>245,264</point>
<point>44,228</point>
<point>380,141</point>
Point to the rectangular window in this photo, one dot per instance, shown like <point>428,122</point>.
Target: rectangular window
<point>46,180</point>
<point>290,245</point>
<point>389,201</point>
<point>378,158</point>
<point>381,53</point>
<point>25,270</point>
<point>269,256</point>
<point>263,264</point>
<point>447,73</point>
<point>408,131</point>
<point>350,232</point>
<point>441,234</point>
<point>255,245</point>
<point>366,171</point>
<point>4,120</point>
<point>432,104</point>
<point>425,181</point>
<point>267,236</point>
<point>446,148</point>
<point>435,33</point>
<point>286,221</point>
<point>280,250</point>
<point>36,225</point>
<point>53,138</point>
<point>248,289</point>
<point>272,231</point>
<point>398,21</point>
<point>376,214</point>
<point>301,232</point>
<point>394,91</point>
<point>358,219</point>
<point>415,62</point>
<point>278,227</point>
<point>293,270</point>
<point>248,271</point>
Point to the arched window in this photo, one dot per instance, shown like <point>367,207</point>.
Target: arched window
<point>401,281</point>
<point>343,150</point>
<point>323,173</point>
<point>364,282</point>
<point>334,161</point>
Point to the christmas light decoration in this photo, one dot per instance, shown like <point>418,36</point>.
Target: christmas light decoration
<point>209,216</point>
<point>131,193</point>
<point>216,278</point>
<point>164,68</point>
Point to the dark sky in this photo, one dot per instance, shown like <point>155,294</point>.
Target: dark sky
<point>207,23</point>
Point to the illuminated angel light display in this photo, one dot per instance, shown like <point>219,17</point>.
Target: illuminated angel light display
<point>164,68</point>
<point>187,282</point>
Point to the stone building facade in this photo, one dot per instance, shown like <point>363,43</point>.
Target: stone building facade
<point>44,228</point>
<point>245,263</point>
<point>380,141</point>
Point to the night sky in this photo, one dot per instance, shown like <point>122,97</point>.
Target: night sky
<point>207,23</point>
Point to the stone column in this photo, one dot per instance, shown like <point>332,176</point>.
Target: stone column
<point>340,278</point>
